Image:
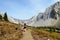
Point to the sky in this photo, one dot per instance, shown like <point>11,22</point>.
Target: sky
<point>24,9</point>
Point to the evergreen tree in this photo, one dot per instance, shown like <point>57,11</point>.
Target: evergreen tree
<point>5,17</point>
<point>0,17</point>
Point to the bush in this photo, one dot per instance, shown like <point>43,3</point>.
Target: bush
<point>0,17</point>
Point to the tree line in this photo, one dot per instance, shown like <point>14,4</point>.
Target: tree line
<point>4,17</point>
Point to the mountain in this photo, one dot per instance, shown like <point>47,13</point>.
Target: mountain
<point>50,17</point>
<point>11,19</point>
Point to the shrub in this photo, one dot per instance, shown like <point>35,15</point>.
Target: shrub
<point>0,17</point>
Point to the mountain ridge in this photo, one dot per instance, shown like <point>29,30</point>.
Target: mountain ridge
<point>50,17</point>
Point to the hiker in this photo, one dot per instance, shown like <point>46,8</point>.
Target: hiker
<point>24,27</point>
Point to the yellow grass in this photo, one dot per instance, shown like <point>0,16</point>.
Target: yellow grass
<point>53,34</point>
<point>44,33</point>
<point>10,31</point>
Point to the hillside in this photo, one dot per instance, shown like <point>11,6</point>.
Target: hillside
<point>41,33</point>
<point>10,31</point>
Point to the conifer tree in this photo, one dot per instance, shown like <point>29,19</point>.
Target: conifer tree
<point>5,17</point>
<point>0,17</point>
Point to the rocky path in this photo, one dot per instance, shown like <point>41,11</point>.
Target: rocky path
<point>27,35</point>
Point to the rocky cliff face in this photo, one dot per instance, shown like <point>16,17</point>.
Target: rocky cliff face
<point>49,18</point>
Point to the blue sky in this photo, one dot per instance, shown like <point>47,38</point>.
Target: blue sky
<point>24,9</point>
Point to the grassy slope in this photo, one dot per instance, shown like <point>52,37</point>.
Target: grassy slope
<point>42,34</point>
<point>9,31</point>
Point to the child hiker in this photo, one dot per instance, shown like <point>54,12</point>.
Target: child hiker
<point>24,27</point>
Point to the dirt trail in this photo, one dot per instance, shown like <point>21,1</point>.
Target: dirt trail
<point>27,35</point>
